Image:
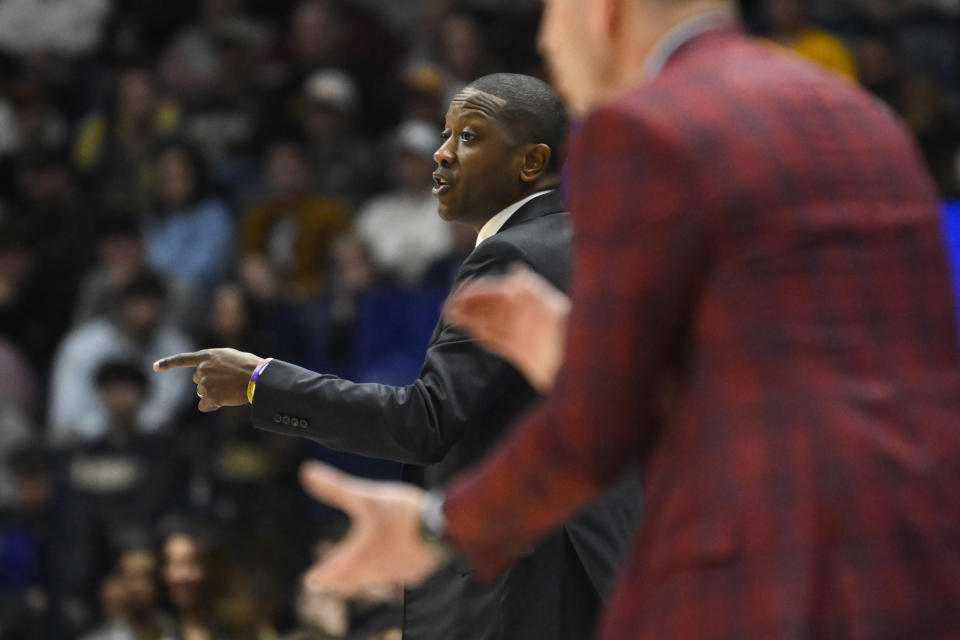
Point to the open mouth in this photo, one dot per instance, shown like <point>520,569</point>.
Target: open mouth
<point>440,184</point>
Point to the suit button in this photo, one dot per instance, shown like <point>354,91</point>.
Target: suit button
<point>294,422</point>
<point>304,424</point>
<point>277,418</point>
<point>286,419</point>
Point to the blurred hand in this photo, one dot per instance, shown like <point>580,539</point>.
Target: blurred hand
<point>221,376</point>
<point>520,317</point>
<point>383,545</point>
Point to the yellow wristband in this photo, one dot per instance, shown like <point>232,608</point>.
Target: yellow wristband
<point>252,385</point>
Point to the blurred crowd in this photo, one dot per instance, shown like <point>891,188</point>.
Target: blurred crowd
<point>256,174</point>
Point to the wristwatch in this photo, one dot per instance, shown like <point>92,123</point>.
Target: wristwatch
<point>433,524</point>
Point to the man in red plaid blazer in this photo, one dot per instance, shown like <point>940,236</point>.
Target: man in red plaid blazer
<point>761,315</point>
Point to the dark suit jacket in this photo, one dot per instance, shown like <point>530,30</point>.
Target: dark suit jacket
<point>776,245</point>
<point>462,402</point>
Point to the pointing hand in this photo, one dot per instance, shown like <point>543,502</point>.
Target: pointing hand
<point>221,375</point>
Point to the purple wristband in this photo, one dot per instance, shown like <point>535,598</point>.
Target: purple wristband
<point>252,385</point>
<point>260,367</point>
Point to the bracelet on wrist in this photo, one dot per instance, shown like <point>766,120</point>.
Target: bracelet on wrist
<point>252,384</point>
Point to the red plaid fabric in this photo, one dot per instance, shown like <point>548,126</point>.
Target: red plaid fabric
<point>762,317</point>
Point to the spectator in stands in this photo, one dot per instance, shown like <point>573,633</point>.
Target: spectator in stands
<point>401,228</point>
<point>316,34</point>
<point>32,28</point>
<point>879,66</point>
<point>130,600</point>
<point>19,387</point>
<point>56,226</point>
<point>925,108</point>
<point>135,330</point>
<point>15,431</point>
<point>341,163</point>
<point>55,210</point>
<point>116,486</point>
<point>423,85</point>
<point>33,302</point>
<point>788,25</point>
<point>39,123</point>
<point>114,148</point>
<point>189,231</point>
<point>290,233</point>
<point>30,553</point>
<point>18,260</point>
<point>463,53</point>
<point>121,256</point>
<point>189,64</point>
<point>231,320</point>
<point>206,592</point>
<point>223,119</point>
<point>112,611</point>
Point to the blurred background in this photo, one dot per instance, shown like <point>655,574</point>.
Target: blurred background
<point>256,174</point>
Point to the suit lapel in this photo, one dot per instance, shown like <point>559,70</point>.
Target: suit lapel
<point>545,205</point>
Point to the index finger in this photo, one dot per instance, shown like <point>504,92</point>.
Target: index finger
<point>191,359</point>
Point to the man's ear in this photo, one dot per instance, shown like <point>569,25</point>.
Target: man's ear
<point>535,162</point>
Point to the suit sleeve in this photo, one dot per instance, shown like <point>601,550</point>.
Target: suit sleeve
<point>413,424</point>
<point>638,254</point>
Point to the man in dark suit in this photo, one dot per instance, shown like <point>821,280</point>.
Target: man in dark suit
<point>498,168</point>
<point>759,246</point>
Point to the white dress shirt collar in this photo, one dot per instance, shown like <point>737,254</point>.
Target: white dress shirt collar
<point>681,34</point>
<point>496,223</point>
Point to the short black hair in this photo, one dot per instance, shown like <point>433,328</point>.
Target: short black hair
<point>533,111</point>
<point>118,224</point>
<point>145,284</point>
<point>122,371</point>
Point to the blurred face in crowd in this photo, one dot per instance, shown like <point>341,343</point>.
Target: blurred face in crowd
<point>324,121</point>
<point>233,66</point>
<point>112,597</point>
<point>32,111</point>
<point>176,178</point>
<point>47,186</point>
<point>478,164</point>
<point>140,314</point>
<point>16,263</point>
<point>286,169</point>
<point>462,47</point>
<point>229,312</point>
<point>137,572</point>
<point>137,100</point>
<point>122,254</point>
<point>877,65</point>
<point>316,32</point>
<point>33,491</point>
<point>183,572</point>
<point>412,171</point>
<point>354,267</point>
<point>122,399</point>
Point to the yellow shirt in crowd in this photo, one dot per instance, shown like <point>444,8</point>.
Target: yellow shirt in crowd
<point>824,48</point>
